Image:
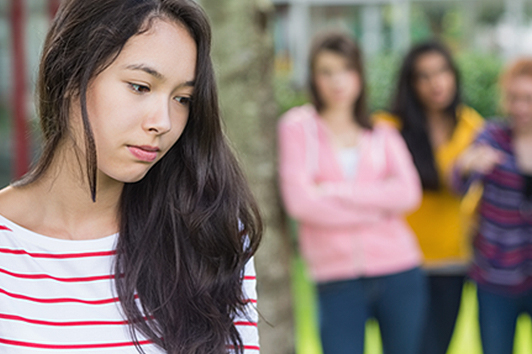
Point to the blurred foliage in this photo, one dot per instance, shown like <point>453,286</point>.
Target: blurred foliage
<point>421,28</point>
<point>480,77</point>
<point>491,13</point>
<point>437,20</point>
<point>479,82</point>
<point>381,76</point>
<point>286,95</point>
<point>453,24</point>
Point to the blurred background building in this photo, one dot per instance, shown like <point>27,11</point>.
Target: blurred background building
<point>483,34</point>
<point>32,19</point>
<point>498,27</point>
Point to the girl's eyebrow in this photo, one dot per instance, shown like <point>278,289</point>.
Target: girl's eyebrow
<point>146,69</point>
<point>187,84</point>
<point>156,74</point>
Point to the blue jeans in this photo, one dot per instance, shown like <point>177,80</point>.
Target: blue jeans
<point>396,301</point>
<point>445,293</point>
<point>497,316</point>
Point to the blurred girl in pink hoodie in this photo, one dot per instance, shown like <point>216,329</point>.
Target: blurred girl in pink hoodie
<point>349,185</point>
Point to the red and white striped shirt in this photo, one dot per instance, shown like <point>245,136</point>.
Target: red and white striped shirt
<point>59,296</point>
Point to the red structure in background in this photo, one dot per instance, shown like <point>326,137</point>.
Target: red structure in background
<point>21,138</point>
<point>53,6</point>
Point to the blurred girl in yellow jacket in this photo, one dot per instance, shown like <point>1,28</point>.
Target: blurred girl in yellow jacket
<point>437,127</point>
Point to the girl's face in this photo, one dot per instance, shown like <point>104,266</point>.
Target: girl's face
<point>139,105</point>
<point>434,81</point>
<point>518,102</point>
<point>338,84</point>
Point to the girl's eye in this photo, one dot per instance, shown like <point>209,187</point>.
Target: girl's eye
<point>139,88</point>
<point>185,101</point>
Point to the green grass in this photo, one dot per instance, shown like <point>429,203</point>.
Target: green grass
<point>466,339</point>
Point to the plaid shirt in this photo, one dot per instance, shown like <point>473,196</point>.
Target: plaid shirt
<point>503,241</point>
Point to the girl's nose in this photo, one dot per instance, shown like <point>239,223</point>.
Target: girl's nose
<point>158,119</point>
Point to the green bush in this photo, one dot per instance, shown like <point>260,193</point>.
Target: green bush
<point>480,75</point>
<point>286,95</point>
<point>381,72</point>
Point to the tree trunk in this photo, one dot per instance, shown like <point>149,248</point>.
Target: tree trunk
<point>243,60</point>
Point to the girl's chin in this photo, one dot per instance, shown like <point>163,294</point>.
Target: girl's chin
<point>440,105</point>
<point>340,103</point>
<point>122,178</point>
<point>522,124</point>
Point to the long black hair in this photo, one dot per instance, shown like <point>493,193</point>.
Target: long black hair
<point>190,225</point>
<point>342,44</point>
<point>407,106</point>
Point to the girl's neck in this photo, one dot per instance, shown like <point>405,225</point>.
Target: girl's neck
<point>61,203</point>
<point>436,115</point>
<point>345,131</point>
<point>338,117</point>
<point>440,128</point>
<point>522,144</point>
<point>524,133</point>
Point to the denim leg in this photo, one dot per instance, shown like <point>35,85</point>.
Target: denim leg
<point>527,303</point>
<point>497,316</point>
<point>343,314</point>
<point>445,293</point>
<point>400,311</point>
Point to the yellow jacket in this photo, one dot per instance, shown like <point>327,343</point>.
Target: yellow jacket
<point>439,221</point>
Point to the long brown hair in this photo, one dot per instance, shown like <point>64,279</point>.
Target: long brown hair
<point>411,113</point>
<point>342,44</point>
<point>190,225</point>
<point>520,67</point>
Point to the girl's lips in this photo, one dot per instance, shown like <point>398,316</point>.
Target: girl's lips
<point>147,154</point>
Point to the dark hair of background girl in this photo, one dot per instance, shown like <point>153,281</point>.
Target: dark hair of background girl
<point>181,247</point>
<point>410,111</point>
<point>340,43</point>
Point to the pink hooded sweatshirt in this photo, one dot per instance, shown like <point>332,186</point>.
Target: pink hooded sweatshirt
<point>348,228</point>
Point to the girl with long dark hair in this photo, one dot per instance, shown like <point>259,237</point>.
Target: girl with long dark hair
<point>437,127</point>
<point>349,184</point>
<point>501,160</point>
<point>135,229</point>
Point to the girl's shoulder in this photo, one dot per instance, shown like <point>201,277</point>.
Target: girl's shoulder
<point>298,115</point>
<point>470,117</point>
<point>18,206</point>
<point>386,129</point>
<point>384,117</point>
<point>497,128</point>
<point>469,124</point>
<point>4,227</point>
<point>22,224</point>
<point>11,203</point>
<point>497,133</point>
<point>384,136</point>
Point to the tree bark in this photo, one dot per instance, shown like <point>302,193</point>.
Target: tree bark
<point>243,60</point>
